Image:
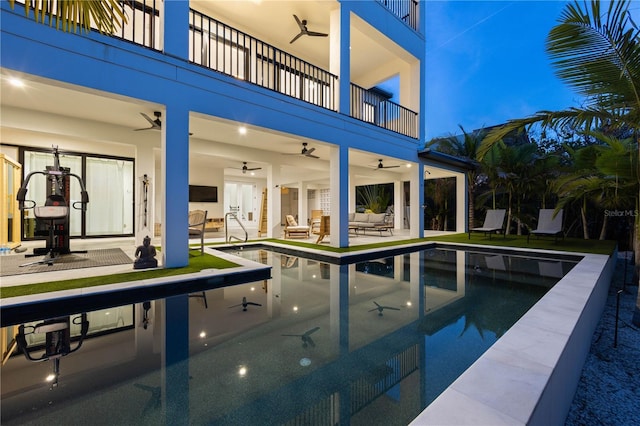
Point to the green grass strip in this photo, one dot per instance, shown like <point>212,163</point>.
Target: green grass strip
<point>605,247</point>
<point>197,262</point>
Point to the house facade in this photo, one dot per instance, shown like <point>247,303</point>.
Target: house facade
<point>275,107</point>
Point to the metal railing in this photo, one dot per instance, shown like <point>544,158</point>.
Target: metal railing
<point>143,23</point>
<point>369,106</point>
<point>225,49</point>
<point>406,10</point>
<point>366,389</point>
<point>142,26</point>
<point>228,238</point>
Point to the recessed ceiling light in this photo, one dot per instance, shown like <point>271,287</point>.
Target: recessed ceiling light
<point>242,130</point>
<point>16,82</point>
<point>408,165</point>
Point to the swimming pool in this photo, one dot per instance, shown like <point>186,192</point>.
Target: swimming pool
<point>373,341</point>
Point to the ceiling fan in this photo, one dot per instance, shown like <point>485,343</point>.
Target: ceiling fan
<point>381,166</point>
<point>155,124</point>
<point>306,152</point>
<point>246,169</point>
<point>304,31</point>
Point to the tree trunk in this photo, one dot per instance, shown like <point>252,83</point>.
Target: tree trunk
<point>508,216</point>
<point>603,230</point>
<point>585,228</point>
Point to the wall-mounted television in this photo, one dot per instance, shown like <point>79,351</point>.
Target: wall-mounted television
<point>203,194</point>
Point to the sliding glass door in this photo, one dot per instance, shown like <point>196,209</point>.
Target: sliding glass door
<point>109,183</point>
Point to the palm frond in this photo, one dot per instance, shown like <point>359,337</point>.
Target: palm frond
<point>107,16</point>
<point>598,55</point>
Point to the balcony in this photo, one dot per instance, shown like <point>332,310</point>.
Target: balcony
<point>217,46</point>
<point>406,10</point>
<point>374,108</point>
<point>225,49</point>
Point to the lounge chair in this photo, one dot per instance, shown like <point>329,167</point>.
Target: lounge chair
<point>493,222</point>
<point>293,228</point>
<point>548,224</point>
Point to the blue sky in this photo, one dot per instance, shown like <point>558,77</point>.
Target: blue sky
<point>486,63</point>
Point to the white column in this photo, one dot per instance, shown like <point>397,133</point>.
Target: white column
<point>339,184</point>
<point>273,202</point>
<point>397,204</point>
<point>303,204</point>
<point>462,203</point>
<point>416,196</point>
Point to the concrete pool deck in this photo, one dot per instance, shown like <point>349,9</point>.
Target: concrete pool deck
<point>530,375</point>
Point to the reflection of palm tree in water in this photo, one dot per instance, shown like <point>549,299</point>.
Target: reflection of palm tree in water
<point>155,400</point>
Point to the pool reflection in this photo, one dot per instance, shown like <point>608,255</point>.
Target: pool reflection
<point>373,341</point>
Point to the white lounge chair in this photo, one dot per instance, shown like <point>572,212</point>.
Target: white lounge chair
<point>549,223</point>
<point>493,222</point>
<point>293,228</point>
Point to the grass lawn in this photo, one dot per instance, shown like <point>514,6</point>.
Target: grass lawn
<point>198,262</point>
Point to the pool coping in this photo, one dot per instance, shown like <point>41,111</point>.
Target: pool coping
<point>530,375</point>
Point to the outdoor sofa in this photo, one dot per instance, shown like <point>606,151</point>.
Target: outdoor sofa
<point>371,221</point>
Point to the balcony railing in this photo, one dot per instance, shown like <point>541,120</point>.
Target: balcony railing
<point>222,48</point>
<point>374,108</point>
<point>406,10</point>
<point>142,26</point>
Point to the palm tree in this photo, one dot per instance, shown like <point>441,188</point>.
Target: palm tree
<point>465,147</point>
<point>598,54</point>
<point>70,15</point>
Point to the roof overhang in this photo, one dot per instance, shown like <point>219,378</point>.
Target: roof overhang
<point>450,160</point>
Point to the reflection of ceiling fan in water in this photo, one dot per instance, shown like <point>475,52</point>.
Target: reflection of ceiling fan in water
<point>246,169</point>
<point>245,303</point>
<point>304,31</point>
<point>306,152</point>
<point>381,166</point>
<point>381,308</point>
<point>306,337</point>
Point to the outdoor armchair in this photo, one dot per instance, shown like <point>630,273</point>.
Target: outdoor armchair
<point>197,223</point>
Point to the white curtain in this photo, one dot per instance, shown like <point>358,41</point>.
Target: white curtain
<point>110,187</point>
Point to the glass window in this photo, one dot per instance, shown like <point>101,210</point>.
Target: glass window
<point>110,208</point>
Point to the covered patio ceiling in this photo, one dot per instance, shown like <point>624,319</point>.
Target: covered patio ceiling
<point>51,108</point>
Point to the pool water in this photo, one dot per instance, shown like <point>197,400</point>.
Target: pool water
<point>369,342</point>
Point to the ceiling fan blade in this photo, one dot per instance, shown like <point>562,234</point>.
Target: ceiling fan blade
<point>315,34</point>
<point>389,167</point>
<point>300,24</point>
<point>296,37</point>
<point>309,151</point>
<point>149,119</point>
